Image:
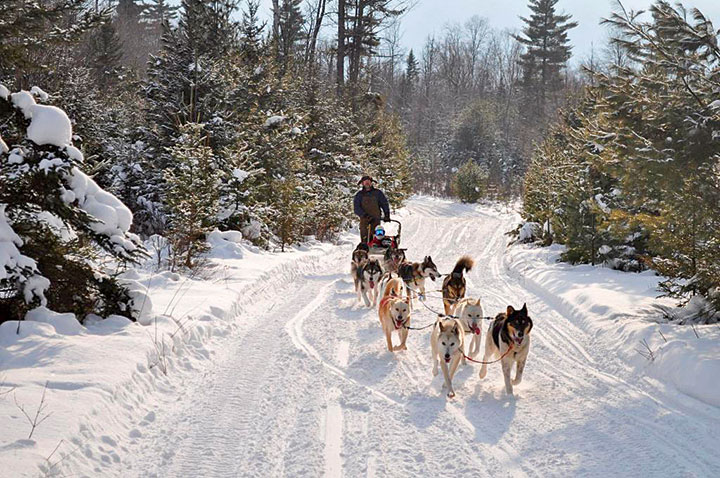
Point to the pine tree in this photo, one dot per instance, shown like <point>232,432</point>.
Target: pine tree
<point>548,49</point>
<point>105,54</point>
<point>50,210</point>
<point>290,32</point>
<point>160,12</point>
<point>193,183</point>
<point>409,80</point>
<point>470,182</point>
<point>29,29</point>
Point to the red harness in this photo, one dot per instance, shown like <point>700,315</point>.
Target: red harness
<point>493,361</point>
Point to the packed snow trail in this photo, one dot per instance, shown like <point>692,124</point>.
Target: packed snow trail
<point>307,388</point>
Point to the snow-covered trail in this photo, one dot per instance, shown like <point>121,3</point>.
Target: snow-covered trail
<point>307,388</point>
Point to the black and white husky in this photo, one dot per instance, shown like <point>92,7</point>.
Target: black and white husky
<point>509,339</point>
<point>367,279</point>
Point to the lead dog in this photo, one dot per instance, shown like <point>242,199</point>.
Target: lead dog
<point>510,330</point>
<point>415,273</point>
<point>447,342</point>
<point>394,312</point>
<point>454,285</point>
<point>367,279</point>
<point>470,313</point>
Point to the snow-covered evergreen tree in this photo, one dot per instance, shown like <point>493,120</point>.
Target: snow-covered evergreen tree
<point>55,219</point>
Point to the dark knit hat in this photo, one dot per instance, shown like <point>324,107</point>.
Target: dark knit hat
<point>365,178</point>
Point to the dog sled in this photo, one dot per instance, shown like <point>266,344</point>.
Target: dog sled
<point>388,243</point>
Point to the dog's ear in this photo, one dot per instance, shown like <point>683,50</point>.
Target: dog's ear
<point>440,324</point>
<point>524,309</point>
<point>510,310</point>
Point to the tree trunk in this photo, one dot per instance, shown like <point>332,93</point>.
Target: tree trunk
<point>342,5</point>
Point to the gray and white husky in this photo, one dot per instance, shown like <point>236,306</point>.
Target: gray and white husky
<point>367,279</point>
<point>447,342</point>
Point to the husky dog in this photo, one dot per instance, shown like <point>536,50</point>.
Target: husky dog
<point>386,277</point>
<point>510,330</point>
<point>367,276</point>
<point>394,312</point>
<point>453,288</point>
<point>447,342</point>
<point>360,254</point>
<point>470,313</point>
<point>415,273</point>
<point>392,259</point>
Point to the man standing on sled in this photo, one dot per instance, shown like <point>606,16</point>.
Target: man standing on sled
<point>370,204</point>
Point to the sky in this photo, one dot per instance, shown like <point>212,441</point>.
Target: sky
<point>430,16</point>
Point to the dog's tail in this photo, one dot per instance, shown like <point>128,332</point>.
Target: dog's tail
<point>465,263</point>
<point>393,288</point>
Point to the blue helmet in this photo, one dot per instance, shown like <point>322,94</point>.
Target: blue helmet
<point>380,231</point>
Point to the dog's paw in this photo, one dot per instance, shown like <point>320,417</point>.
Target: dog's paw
<point>482,373</point>
<point>451,394</point>
<point>517,381</point>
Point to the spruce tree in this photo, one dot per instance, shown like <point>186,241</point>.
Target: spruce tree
<point>58,218</point>
<point>193,196</point>
<point>105,53</point>
<point>29,29</point>
<point>545,37</point>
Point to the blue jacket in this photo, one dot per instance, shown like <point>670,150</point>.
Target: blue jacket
<point>370,203</point>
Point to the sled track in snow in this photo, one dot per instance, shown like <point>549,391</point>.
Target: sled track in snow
<point>306,388</point>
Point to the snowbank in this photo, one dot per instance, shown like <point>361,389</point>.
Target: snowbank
<point>101,376</point>
<point>34,285</point>
<point>621,310</point>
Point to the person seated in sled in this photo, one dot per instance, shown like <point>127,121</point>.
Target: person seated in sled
<point>381,240</point>
<point>370,204</point>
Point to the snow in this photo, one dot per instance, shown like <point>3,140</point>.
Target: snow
<point>64,324</point>
<point>38,93</point>
<point>4,92</point>
<point>3,146</point>
<point>622,310</point>
<point>74,153</point>
<point>113,217</point>
<point>49,125</point>
<point>104,378</point>
<point>530,231</point>
<point>272,352</point>
<point>16,156</point>
<point>274,121</point>
<point>227,243</point>
<point>56,224</point>
<point>14,265</point>
<point>23,101</point>
<point>240,175</point>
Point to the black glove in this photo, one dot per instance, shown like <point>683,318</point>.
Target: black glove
<point>387,218</point>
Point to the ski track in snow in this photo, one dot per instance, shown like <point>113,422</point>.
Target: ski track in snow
<point>305,387</point>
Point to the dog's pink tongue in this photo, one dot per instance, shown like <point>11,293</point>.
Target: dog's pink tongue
<point>372,284</point>
<point>476,330</point>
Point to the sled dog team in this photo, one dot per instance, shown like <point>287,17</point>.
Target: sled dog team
<point>508,336</point>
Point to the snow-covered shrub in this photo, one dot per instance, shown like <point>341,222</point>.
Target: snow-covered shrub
<point>56,222</point>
